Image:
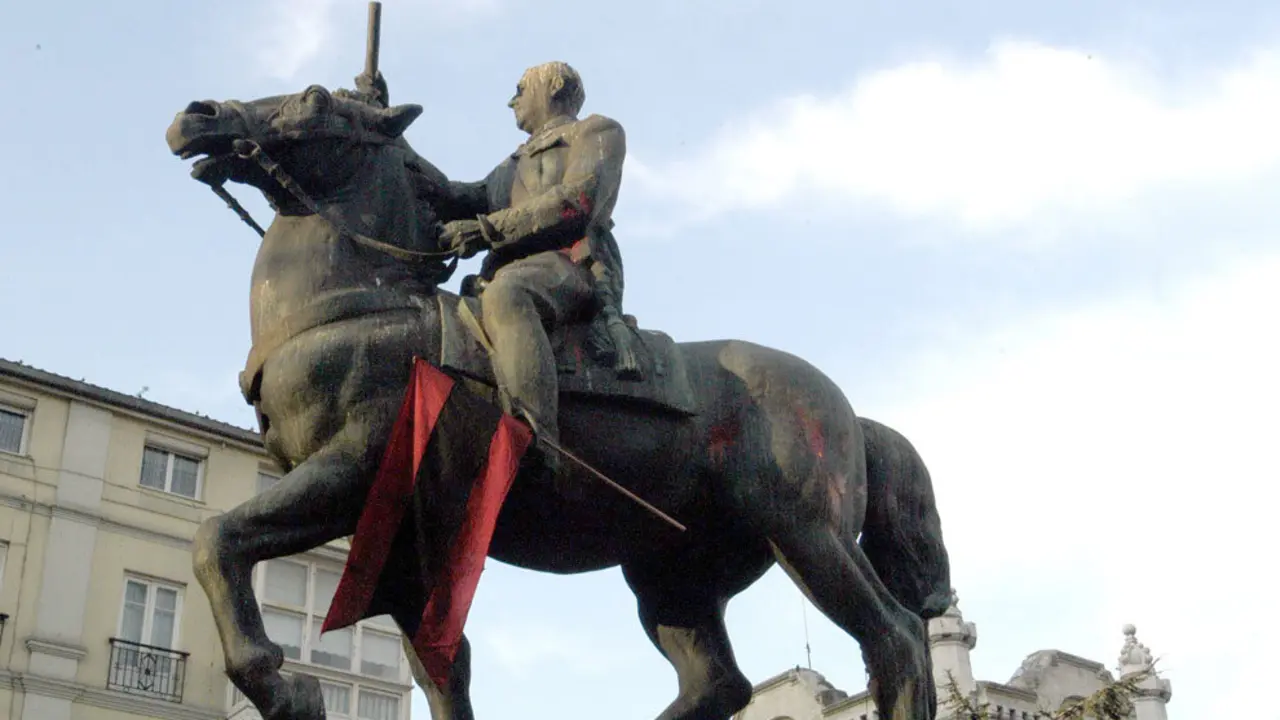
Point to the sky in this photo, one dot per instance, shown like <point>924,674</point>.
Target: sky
<point>1039,241</point>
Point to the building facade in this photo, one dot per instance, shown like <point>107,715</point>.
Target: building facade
<point>100,495</point>
<point>1046,681</point>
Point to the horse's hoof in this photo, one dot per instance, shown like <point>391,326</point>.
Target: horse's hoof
<point>306,702</point>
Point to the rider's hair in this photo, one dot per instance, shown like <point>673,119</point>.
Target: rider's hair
<point>573,95</point>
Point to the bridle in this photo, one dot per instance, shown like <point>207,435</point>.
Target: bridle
<point>251,149</point>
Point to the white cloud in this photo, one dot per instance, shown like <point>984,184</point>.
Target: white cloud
<point>1027,132</point>
<point>293,32</point>
<point>1128,448</point>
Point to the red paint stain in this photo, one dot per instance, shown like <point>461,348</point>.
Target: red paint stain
<point>575,250</point>
<point>812,430</point>
<point>721,437</point>
<point>573,212</point>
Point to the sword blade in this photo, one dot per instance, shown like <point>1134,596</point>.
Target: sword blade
<point>604,478</point>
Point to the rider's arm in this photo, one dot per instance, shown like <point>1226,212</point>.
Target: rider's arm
<point>468,199</point>
<point>453,200</point>
<point>561,214</point>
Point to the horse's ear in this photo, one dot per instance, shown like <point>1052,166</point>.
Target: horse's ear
<point>393,121</point>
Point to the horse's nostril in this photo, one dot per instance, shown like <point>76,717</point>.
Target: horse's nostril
<point>201,108</point>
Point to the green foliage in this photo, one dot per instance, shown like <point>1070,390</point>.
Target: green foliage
<point>1112,702</point>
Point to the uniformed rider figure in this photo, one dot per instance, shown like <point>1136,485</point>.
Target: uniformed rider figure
<point>544,215</point>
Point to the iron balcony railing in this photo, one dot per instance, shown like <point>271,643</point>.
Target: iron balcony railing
<point>147,670</point>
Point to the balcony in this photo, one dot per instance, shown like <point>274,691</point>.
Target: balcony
<point>146,670</point>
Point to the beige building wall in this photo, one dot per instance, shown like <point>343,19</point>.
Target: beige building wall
<point>100,495</point>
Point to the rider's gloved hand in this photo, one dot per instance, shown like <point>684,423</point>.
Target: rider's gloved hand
<point>375,87</point>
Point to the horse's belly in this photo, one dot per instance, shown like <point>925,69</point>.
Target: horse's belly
<point>315,382</point>
<point>584,524</point>
<point>528,552</point>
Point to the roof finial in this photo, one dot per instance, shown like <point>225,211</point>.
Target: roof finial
<point>1134,656</point>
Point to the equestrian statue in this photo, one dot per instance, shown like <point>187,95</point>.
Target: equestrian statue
<point>756,452</point>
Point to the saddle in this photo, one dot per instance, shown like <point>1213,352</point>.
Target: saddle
<point>583,367</point>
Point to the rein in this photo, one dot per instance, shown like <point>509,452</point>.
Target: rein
<point>252,150</point>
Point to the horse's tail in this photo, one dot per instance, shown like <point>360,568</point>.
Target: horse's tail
<point>902,534</point>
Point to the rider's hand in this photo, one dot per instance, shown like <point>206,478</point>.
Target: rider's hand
<point>464,237</point>
<point>376,86</point>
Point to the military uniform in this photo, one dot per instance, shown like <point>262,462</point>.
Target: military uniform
<point>554,258</point>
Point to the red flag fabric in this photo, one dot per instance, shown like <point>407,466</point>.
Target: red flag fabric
<point>423,536</point>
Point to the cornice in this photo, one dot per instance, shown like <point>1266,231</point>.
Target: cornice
<point>129,405</point>
<point>106,699</point>
<point>787,676</point>
<point>845,703</point>
<point>55,649</point>
<point>336,554</point>
<point>93,519</point>
<point>1008,691</point>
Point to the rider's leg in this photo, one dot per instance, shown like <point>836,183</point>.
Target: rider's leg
<point>519,305</point>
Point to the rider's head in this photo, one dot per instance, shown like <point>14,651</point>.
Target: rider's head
<point>544,92</point>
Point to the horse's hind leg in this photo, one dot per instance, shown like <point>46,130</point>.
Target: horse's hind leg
<point>836,576</point>
<point>681,603</point>
<point>803,480</point>
<point>318,501</point>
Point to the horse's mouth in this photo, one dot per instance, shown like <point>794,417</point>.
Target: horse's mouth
<point>215,169</point>
<point>198,130</point>
<point>212,146</point>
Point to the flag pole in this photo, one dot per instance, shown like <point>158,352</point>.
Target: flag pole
<point>373,40</point>
<point>636,498</point>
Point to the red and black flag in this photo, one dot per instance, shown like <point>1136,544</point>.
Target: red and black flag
<point>424,534</point>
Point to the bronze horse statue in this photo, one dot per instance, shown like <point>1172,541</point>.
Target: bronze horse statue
<point>773,466</point>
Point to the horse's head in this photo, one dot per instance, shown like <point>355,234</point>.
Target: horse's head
<point>319,138</point>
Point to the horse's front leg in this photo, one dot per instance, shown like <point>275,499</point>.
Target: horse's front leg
<point>454,701</point>
<point>319,501</point>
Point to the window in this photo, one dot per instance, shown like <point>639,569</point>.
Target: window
<point>295,600</point>
<point>333,649</point>
<point>170,472</point>
<point>377,706</point>
<point>337,699</point>
<point>380,655</point>
<point>338,705</point>
<point>142,658</point>
<point>150,612</point>
<point>13,430</point>
<point>373,705</point>
<point>266,481</point>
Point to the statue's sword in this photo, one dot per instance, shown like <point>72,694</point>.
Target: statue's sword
<point>605,479</point>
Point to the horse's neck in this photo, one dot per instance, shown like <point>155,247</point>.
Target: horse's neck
<point>378,202</point>
<point>307,271</point>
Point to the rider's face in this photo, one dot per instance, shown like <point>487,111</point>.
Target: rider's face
<point>532,101</point>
